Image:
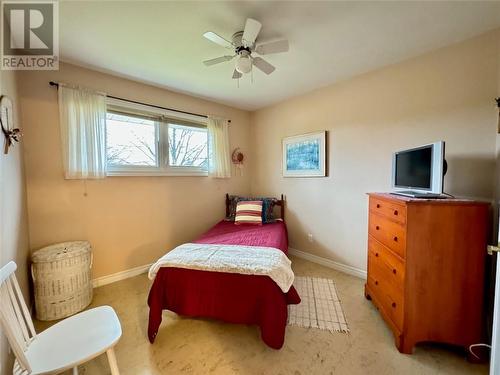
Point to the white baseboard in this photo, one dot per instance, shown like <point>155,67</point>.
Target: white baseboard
<point>122,275</point>
<point>328,263</point>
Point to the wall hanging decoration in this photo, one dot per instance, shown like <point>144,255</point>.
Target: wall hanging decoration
<point>498,105</point>
<point>305,155</point>
<point>237,158</point>
<point>11,133</point>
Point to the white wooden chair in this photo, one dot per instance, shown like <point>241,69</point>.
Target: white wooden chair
<point>63,346</point>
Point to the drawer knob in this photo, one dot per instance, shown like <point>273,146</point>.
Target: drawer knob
<point>376,254</point>
<point>396,238</point>
<point>394,304</point>
<point>377,227</point>
<point>376,282</point>
<point>378,205</point>
<point>396,212</point>
<point>394,271</point>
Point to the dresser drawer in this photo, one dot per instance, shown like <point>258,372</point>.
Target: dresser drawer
<point>386,290</point>
<point>388,209</point>
<point>389,265</point>
<point>390,233</point>
<point>390,304</point>
<point>386,280</point>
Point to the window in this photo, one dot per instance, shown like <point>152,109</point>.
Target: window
<point>187,146</point>
<point>150,143</point>
<point>130,141</point>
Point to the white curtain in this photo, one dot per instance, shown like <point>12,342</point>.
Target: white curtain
<point>82,117</point>
<point>219,164</point>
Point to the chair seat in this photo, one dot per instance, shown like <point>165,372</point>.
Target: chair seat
<point>74,340</point>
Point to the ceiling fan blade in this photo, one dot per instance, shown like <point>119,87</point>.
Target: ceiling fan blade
<point>272,47</point>
<point>217,60</point>
<point>252,29</point>
<point>217,39</point>
<point>236,74</point>
<point>263,65</point>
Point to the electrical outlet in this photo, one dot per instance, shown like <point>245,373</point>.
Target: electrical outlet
<point>310,237</point>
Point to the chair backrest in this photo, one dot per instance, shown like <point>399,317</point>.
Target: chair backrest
<point>14,315</point>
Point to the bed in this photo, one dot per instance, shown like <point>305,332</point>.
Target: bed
<point>230,297</point>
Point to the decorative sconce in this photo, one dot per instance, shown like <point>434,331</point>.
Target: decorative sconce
<point>237,158</point>
<point>7,123</point>
<point>498,105</point>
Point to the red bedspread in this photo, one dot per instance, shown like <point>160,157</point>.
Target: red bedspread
<point>234,298</point>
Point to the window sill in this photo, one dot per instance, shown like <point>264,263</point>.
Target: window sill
<point>156,174</point>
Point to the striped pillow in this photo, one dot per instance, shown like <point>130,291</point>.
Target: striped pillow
<point>267,208</point>
<point>248,212</point>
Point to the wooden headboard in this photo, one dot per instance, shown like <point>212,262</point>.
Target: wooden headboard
<point>279,202</point>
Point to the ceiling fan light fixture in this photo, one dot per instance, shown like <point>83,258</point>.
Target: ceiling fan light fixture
<point>244,64</point>
<point>244,44</point>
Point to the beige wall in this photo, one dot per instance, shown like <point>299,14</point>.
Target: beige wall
<point>444,95</point>
<point>498,145</point>
<point>13,214</point>
<point>130,221</point>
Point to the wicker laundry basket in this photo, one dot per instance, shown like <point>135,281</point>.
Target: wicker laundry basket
<point>62,277</point>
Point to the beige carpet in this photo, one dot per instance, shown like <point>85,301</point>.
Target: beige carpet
<point>320,306</point>
<point>201,346</point>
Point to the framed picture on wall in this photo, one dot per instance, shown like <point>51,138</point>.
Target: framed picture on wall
<point>305,155</point>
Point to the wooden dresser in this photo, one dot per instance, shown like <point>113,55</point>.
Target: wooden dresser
<point>426,268</point>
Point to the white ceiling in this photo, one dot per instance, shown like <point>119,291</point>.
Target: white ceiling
<point>161,43</point>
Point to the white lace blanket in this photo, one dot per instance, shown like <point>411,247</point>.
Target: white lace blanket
<point>247,260</point>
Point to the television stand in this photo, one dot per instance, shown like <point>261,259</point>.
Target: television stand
<point>415,194</point>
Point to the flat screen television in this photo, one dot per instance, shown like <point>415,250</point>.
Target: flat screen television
<point>419,172</point>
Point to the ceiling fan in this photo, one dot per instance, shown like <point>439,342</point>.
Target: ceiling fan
<point>244,45</point>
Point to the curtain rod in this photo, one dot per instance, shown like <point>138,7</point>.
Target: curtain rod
<point>56,84</point>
